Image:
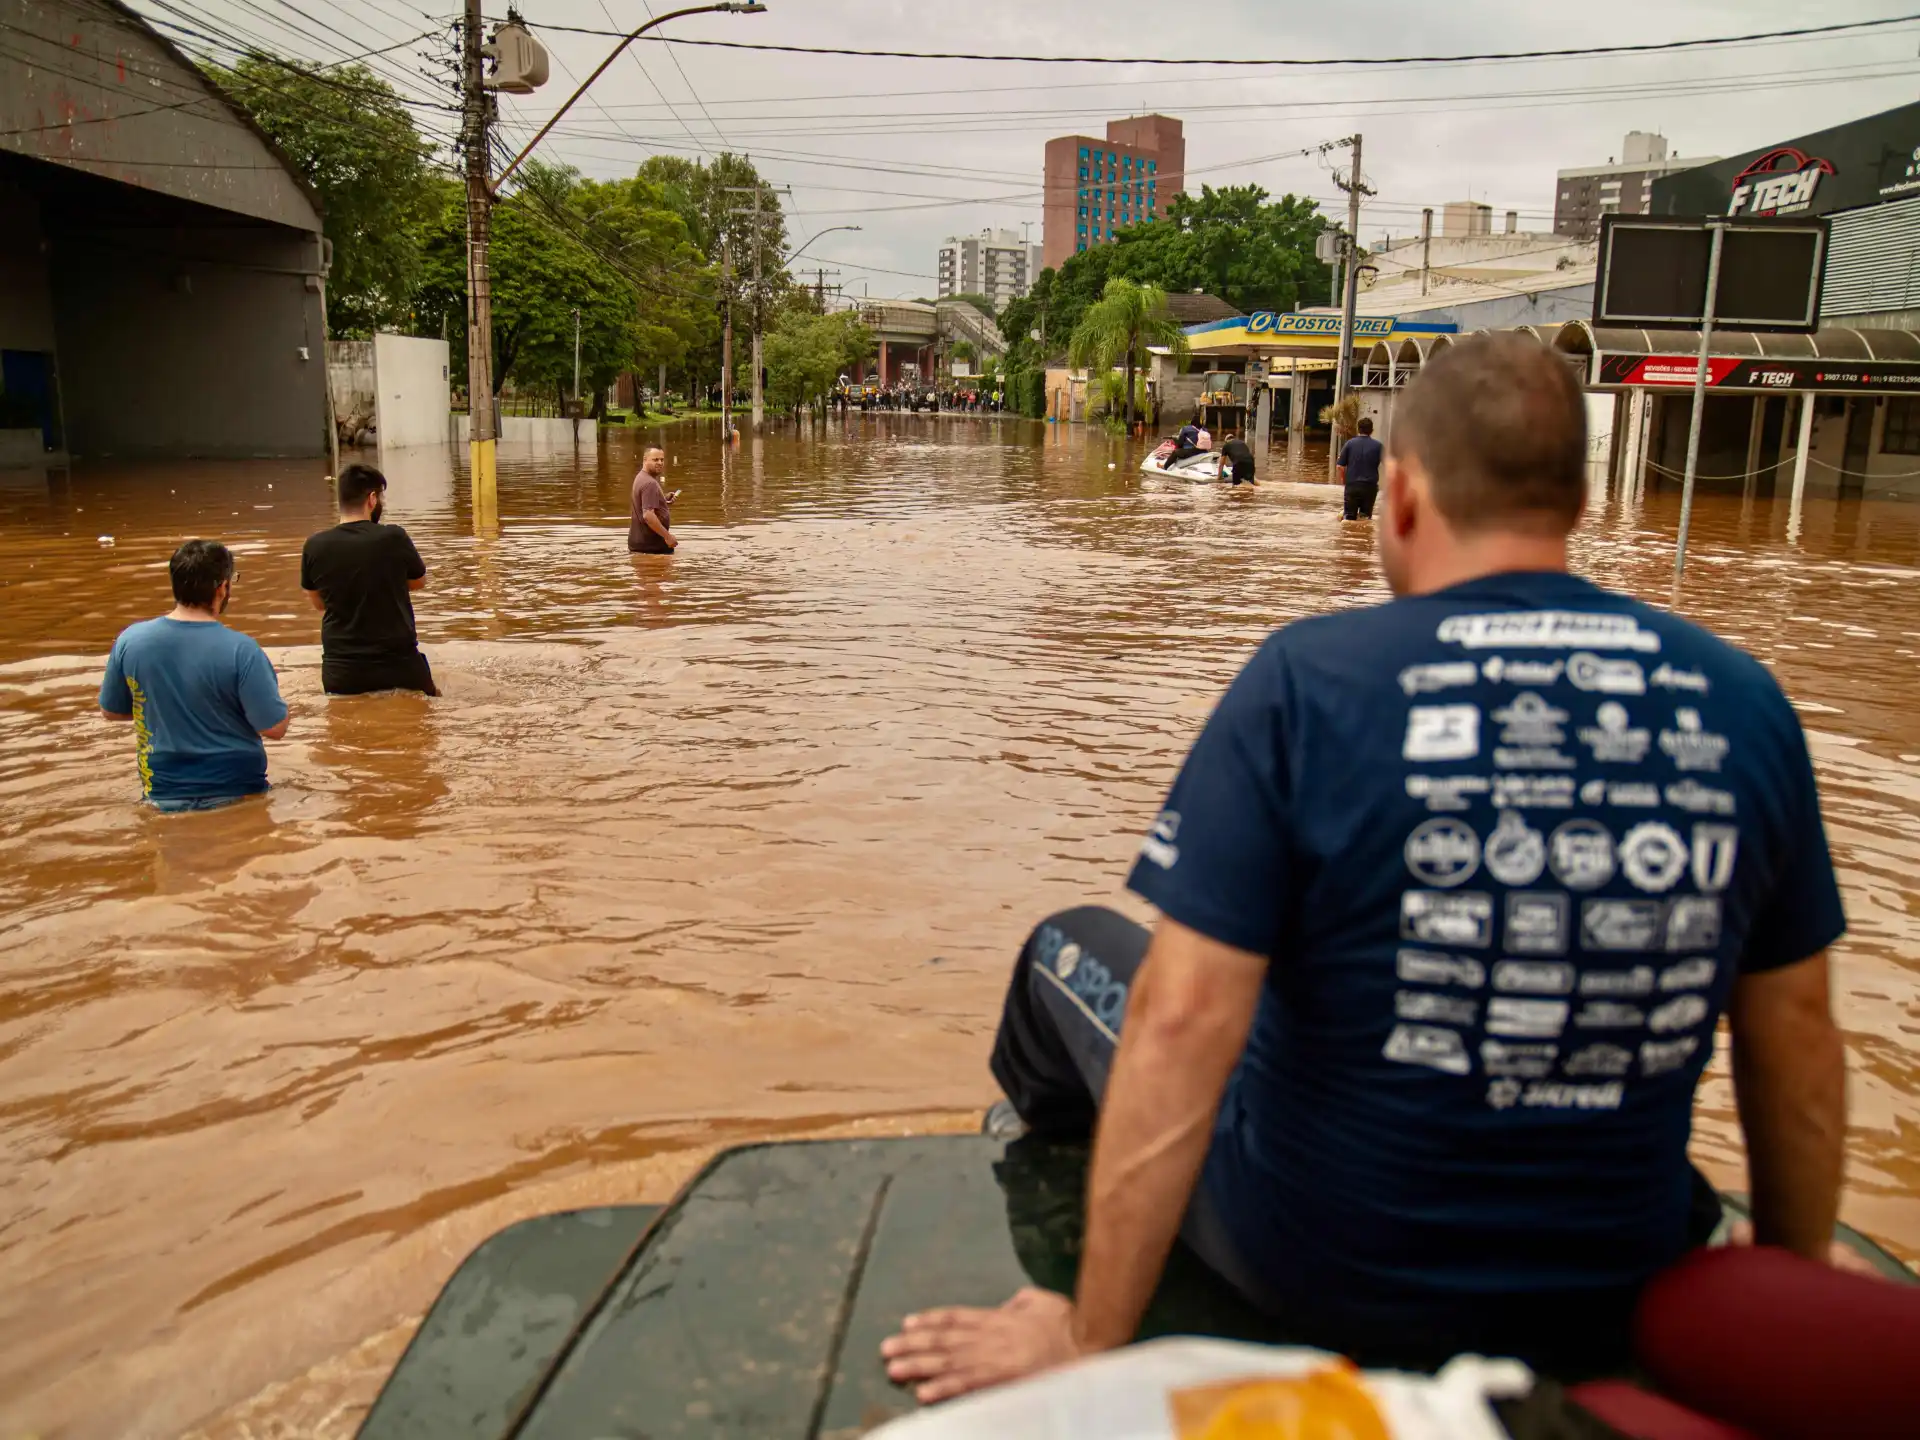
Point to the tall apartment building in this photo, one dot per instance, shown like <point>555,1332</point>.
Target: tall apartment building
<point>1094,186</point>
<point>1625,187</point>
<point>995,263</point>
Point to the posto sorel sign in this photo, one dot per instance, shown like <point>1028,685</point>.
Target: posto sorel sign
<point>1862,163</point>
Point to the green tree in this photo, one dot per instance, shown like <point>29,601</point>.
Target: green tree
<point>806,353</point>
<point>355,145</point>
<point>709,198</point>
<point>612,251</point>
<point>1120,326</point>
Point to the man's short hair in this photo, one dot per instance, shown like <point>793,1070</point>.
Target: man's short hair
<point>356,483</point>
<point>1366,424</point>
<point>651,451</point>
<point>197,569</point>
<point>1500,426</point>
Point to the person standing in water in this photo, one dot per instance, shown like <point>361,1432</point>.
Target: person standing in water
<point>1360,472</point>
<point>650,531</point>
<point>201,697</point>
<point>361,576</point>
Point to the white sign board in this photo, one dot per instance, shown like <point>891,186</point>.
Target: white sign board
<point>962,369</point>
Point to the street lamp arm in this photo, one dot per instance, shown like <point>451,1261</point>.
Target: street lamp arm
<point>600,69</point>
<point>796,254</point>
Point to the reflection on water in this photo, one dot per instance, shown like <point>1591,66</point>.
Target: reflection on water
<point>731,843</point>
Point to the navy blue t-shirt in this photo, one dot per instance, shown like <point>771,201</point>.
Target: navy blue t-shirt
<point>1361,457</point>
<point>1508,845</point>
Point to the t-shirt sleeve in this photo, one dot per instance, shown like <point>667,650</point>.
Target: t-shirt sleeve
<point>115,694</point>
<point>1216,858</point>
<point>260,698</point>
<point>416,567</point>
<point>307,580</point>
<point>1802,914</point>
<point>1346,452</point>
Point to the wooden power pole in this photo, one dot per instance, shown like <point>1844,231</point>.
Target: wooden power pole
<point>476,127</point>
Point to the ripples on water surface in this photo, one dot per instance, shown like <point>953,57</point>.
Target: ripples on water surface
<point>732,844</point>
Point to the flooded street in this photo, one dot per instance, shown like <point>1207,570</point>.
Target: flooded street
<point>696,849</point>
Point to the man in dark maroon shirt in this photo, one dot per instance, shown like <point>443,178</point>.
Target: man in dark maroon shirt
<point>651,530</point>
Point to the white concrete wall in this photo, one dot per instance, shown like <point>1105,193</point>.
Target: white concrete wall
<point>413,396</point>
<point>555,434</point>
<point>350,373</point>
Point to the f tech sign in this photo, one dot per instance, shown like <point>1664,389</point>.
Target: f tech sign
<point>1727,372</point>
<point>1780,182</point>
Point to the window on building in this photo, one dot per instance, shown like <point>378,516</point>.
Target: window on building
<point>1083,152</point>
<point>1081,246</point>
<point>1083,175</point>
<point>1152,165</point>
<point>1902,433</point>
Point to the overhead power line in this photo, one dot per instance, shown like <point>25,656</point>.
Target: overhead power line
<point>1293,62</point>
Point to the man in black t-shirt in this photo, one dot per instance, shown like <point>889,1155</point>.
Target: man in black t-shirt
<point>1360,472</point>
<point>360,574</point>
<point>1236,460</point>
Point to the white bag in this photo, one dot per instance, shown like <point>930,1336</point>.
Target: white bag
<point>1130,1394</point>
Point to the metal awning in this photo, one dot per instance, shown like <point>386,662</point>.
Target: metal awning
<point>1837,358</point>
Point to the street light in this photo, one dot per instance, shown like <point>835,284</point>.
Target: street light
<point>803,249</point>
<point>734,7</point>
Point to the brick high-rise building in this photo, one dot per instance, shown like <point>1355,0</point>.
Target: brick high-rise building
<point>1094,186</point>
<point>1623,187</point>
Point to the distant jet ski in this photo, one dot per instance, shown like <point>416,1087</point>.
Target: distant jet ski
<point>1202,465</point>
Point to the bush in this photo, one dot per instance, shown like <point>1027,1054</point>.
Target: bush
<point>1343,418</point>
<point>1027,393</point>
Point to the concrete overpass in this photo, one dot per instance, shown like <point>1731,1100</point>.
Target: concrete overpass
<point>913,336</point>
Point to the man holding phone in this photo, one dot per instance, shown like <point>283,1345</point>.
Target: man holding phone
<point>651,529</point>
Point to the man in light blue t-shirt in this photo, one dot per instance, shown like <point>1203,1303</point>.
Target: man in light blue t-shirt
<point>201,697</point>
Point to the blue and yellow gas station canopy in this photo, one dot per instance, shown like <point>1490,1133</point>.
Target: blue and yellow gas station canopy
<point>1265,333</point>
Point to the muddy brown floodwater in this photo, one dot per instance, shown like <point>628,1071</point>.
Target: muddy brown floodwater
<point>698,849</point>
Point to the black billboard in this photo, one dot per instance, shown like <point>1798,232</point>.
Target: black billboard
<point>1864,162</point>
<point>1653,273</point>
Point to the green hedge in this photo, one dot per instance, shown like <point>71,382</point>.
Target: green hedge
<point>1027,389</point>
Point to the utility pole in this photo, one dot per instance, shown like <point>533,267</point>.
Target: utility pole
<point>726,338</point>
<point>477,114</point>
<point>1350,286</point>
<point>758,191</point>
<point>1426,247</point>
<point>759,398</point>
<point>576,355</point>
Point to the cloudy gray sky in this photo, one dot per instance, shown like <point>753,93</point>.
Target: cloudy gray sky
<point>915,150</point>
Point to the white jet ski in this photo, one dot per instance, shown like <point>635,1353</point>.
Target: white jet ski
<point>1203,467</point>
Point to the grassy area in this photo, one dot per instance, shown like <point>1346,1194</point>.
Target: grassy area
<point>617,416</point>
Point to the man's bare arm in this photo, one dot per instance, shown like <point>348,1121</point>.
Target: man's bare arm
<point>419,583</point>
<point>1187,1019</point>
<point>315,599</point>
<point>115,714</point>
<point>278,731</point>
<point>1790,1081</point>
<point>653,523</point>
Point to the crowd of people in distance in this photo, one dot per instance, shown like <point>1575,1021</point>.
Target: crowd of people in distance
<point>203,698</point>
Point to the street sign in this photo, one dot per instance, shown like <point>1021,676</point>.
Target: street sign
<point>1653,273</point>
<point>1739,274</point>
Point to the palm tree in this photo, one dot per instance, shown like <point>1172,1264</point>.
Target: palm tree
<point>1126,319</point>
